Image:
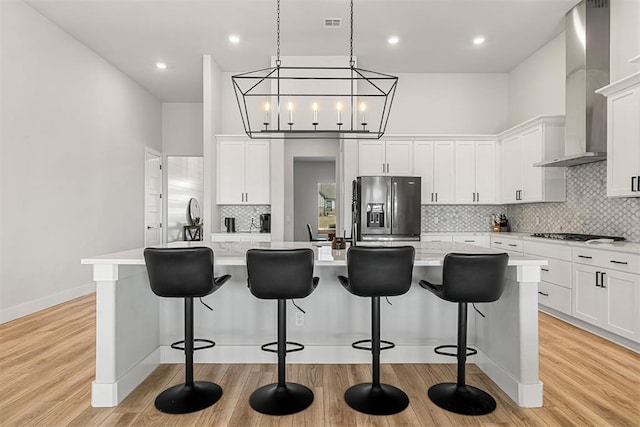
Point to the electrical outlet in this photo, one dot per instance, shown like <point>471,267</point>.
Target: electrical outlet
<point>299,319</point>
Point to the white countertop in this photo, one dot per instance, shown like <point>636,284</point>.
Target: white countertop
<point>232,253</point>
<point>625,246</point>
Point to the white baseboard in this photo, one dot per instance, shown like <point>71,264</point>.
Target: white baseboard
<point>29,307</point>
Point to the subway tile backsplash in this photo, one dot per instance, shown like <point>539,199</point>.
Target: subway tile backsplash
<point>587,210</point>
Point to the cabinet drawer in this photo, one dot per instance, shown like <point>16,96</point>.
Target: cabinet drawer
<point>555,297</point>
<point>547,250</point>
<point>607,259</point>
<point>436,238</point>
<point>557,272</point>
<point>473,240</point>
<point>510,245</point>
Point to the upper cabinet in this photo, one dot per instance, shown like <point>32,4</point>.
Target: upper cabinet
<point>528,143</point>
<point>434,162</point>
<point>385,158</point>
<point>623,137</point>
<point>243,172</point>
<point>475,166</point>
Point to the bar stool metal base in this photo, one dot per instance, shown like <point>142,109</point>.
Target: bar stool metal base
<point>274,400</point>
<point>384,399</point>
<point>462,399</point>
<point>183,399</point>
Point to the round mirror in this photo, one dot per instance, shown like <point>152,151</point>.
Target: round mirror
<point>193,209</point>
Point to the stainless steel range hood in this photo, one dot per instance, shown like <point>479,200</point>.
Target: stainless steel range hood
<point>587,69</point>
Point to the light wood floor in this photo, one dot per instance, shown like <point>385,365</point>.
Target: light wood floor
<point>47,365</point>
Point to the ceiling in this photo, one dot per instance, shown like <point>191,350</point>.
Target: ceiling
<point>435,35</point>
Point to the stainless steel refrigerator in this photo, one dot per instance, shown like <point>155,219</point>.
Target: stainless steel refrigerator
<point>386,207</point>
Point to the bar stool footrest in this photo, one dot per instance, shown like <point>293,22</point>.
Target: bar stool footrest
<point>297,347</point>
<point>179,345</point>
<point>388,345</point>
<point>438,349</point>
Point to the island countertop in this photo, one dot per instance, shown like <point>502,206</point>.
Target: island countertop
<point>233,253</point>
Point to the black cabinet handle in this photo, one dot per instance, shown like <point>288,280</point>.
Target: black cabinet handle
<point>544,269</point>
<point>512,244</point>
<point>498,243</point>
<point>542,293</point>
<point>477,197</point>
<point>474,197</point>
<point>597,277</point>
<point>619,262</point>
<point>602,279</point>
<point>432,197</point>
<point>469,241</point>
<point>584,256</point>
<point>633,182</point>
<point>436,197</point>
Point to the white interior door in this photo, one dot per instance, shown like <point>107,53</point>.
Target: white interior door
<point>152,198</point>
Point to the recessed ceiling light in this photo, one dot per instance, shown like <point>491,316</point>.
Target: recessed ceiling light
<point>234,39</point>
<point>393,40</point>
<point>161,66</point>
<point>478,40</point>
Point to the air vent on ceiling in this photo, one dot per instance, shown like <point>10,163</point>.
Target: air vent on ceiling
<point>332,22</point>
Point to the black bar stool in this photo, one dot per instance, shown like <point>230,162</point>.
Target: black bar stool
<point>466,278</point>
<point>375,272</point>
<point>282,275</point>
<point>185,273</point>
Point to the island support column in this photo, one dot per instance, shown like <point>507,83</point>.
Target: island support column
<point>507,338</point>
<point>127,332</point>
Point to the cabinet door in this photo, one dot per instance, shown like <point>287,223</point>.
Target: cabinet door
<point>511,173</point>
<point>531,141</point>
<point>399,158</point>
<point>423,167</point>
<point>586,295</point>
<point>230,172</point>
<point>465,170</point>
<point>485,172</point>
<point>444,172</point>
<point>623,146</point>
<point>371,158</point>
<point>257,179</point>
<point>622,303</point>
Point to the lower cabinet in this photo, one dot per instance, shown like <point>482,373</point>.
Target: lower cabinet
<point>555,296</point>
<point>483,241</point>
<point>554,290</point>
<point>607,298</point>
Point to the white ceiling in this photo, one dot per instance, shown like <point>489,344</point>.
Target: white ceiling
<point>435,35</point>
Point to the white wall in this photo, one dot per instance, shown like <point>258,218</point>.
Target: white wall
<point>449,103</point>
<point>537,85</point>
<point>182,129</point>
<point>73,141</point>
<point>625,38</point>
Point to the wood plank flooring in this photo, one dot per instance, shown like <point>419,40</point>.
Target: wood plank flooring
<point>47,364</point>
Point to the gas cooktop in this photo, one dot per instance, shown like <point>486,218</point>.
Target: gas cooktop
<point>574,237</point>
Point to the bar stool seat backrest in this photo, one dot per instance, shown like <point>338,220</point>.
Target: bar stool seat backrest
<point>180,272</point>
<point>473,277</point>
<point>280,273</point>
<point>379,271</point>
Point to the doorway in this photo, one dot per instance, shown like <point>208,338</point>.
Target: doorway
<point>312,198</point>
<point>152,197</point>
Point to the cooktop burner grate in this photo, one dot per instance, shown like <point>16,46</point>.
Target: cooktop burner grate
<point>574,237</point>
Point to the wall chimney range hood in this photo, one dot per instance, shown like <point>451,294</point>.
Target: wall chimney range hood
<point>587,69</point>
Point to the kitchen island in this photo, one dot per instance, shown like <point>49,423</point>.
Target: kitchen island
<point>134,327</point>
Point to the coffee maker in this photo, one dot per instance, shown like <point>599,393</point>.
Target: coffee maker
<point>230,224</point>
<point>265,223</point>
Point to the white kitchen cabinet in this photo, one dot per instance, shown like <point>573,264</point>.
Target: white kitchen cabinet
<point>623,137</point>
<point>243,172</point>
<point>436,238</point>
<point>507,244</point>
<point>554,290</point>
<point>605,296</point>
<point>434,162</point>
<point>475,166</point>
<point>522,146</point>
<point>477,240</point>
<point>385,158</point>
